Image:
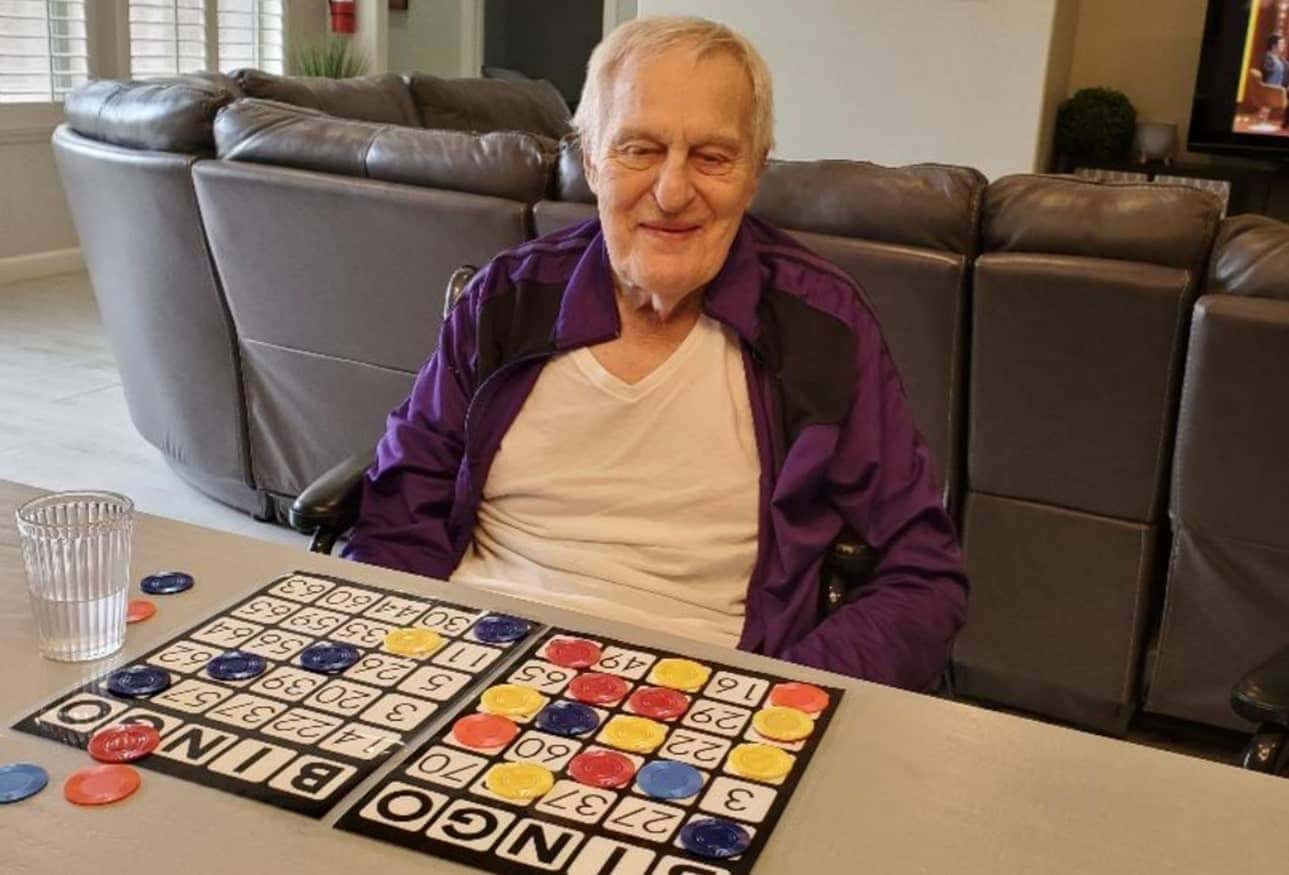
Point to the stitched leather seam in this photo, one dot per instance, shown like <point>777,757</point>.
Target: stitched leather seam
<point>1170,605</point>
<point>367,151</point>
<point>250,341</point>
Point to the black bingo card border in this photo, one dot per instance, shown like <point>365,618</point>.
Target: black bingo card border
<point>293,738</point>
<point>435,801</point>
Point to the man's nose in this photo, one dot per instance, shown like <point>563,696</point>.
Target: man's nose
<point>673,189</point>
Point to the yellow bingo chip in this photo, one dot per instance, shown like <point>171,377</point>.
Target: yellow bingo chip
<point>519,780</point>
<point>761,762</point>
<point>782,723</point>
<point>511,700</point>
<point>416,643</point>
<point>680,674</point>
<point>636,734</point>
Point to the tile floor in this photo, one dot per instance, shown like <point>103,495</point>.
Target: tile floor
<point>63,420</point>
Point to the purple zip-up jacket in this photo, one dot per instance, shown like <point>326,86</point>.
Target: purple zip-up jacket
<point>836,440</point>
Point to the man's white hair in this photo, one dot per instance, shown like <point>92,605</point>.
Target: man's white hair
<point>653,35</point>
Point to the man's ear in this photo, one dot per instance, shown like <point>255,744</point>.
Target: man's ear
<point>756,181</point>
<point>589,170</point>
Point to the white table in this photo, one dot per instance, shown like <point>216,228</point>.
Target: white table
<point>902,783</point>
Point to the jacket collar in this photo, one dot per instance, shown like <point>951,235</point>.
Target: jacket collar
<point>588,313</point>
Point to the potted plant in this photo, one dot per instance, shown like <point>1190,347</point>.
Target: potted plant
<point>334,59</point>
<point>1095,125</point>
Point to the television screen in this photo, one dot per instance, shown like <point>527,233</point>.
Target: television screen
<point>1242,88</point>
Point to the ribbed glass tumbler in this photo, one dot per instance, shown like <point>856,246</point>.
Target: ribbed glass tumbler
<point>76,546</point>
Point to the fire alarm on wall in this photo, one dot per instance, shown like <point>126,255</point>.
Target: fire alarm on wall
<point>342,16</point>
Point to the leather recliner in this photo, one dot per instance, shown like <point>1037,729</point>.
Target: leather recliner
<point>1083,296</point>
<point>1228,577</point>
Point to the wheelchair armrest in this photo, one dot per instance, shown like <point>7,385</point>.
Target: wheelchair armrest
<point>847,568</point>
<point>1262,695</point>
<point>329,505</point>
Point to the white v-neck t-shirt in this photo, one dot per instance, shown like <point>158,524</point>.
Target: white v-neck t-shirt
<point>636,502</point>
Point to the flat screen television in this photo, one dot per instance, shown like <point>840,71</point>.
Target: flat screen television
<point>1241,101</point>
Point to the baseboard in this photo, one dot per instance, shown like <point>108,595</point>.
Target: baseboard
<point>39,264</point>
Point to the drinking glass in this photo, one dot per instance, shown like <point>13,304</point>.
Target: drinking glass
<point>76,547</point>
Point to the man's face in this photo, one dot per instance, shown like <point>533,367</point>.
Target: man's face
<point>674,171</point>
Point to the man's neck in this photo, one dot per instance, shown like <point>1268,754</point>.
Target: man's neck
<point>647,340</point>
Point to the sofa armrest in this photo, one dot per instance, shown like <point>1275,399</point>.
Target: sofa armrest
<point>328,506</point>
<point>1262,695</point>
<point>848,567</point>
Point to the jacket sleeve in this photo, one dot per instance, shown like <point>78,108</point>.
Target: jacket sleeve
<point>408,493</point>
<point>900,629</point>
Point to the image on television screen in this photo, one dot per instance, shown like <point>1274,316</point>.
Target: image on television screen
<point>1263,94</point>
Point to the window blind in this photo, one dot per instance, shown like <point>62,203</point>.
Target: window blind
<point>44,51</point>
<point>167,37</point>
<point>250,34</point>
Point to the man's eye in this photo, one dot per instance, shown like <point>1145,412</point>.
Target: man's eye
<point>636,151</point>
<point>713,162</point>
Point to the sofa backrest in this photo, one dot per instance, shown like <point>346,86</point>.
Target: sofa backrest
<point>335,265</point>
<point>142,241</point>
<point>383,98</point>
<point>1082,298</point>
<point>905,234</point>
<point>483,105</point>
<point>1227,602</point>
<point>1082,295</point>
<point>162,115</point>
<point>506,164</point>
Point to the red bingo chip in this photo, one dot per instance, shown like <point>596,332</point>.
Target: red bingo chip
<point>607,769</point>
<point>100,785</point>
<point>803,697</point>
<point>659,703</point>
<point>598,689</point>
<point>484,731</point>
<point>139,610</point>
<point>124,742</point>
<point>573,652</point>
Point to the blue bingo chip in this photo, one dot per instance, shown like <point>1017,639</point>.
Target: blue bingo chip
<point>166,583</point>
<point>714,837</point>
<point>329,658</point>
<point>236,665</point>
<point>138,680</point>
<point>665,779</point>
<point>20,780</point>
<point>501,629</point>
<point>567,719</point>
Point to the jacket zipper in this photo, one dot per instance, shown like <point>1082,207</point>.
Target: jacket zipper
<point>459,543</point>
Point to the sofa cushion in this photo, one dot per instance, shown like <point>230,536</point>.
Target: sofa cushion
<point>506,164</point>
<point>1250,257</point>
<point>165,115</point>
<point>930,206</point>
<point>382,98</point>
<point>570,178</point>
<point>490,105</point>
<point>1167,225</point>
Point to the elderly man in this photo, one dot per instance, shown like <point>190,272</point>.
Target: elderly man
<point>666,415</point>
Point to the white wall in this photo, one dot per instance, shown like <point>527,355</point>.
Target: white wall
<point>900,81</point>
<point>33,213</point>
<point>427,38</point>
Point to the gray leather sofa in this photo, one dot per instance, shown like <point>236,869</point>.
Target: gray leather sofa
<point>270,254</point>
<point>1082,301</point>
<point>1227,594</point>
